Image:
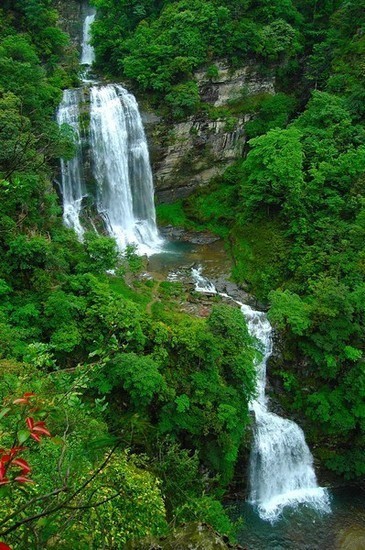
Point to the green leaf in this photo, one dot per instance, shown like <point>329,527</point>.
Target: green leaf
<point>4,412</point>
<point>23,435</point>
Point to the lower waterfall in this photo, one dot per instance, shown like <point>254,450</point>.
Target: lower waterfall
<point>122,169</point>
<point>281,464</point>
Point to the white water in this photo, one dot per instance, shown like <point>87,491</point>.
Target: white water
<point>120,162</point>
<point>87,51</point>
<point>281,465</point>
<point>201,283</point>
<point>72,186</point>
<point>122,169</point>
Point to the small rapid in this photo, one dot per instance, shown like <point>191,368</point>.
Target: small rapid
<point>281,465</point>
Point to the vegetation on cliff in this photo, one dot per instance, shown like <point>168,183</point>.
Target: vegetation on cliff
<point>294,206</point>
<point>158,45</point>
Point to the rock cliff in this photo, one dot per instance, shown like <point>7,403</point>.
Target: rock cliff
<point>188,154</point>
<point>72,14</point>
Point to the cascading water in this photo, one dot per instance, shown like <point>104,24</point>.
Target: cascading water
<point>87,51</point>
<point>201,283</point>
<point>281,465</point>
<point>120,162</point>
<point>122,169</point>
<point>72,187</point>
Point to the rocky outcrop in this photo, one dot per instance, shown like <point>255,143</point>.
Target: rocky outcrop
<point>231,85</point>
<point>190,154</point>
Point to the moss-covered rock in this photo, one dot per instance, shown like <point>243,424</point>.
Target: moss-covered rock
<point>192,536</point>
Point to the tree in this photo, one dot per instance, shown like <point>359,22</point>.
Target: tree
<point>272,172</point>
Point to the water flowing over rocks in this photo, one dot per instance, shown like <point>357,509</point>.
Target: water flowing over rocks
<point>281,465</point>
<point>118,156</point>
<point>122,169</point>
<point>72,173</point>
<point>72,15</point>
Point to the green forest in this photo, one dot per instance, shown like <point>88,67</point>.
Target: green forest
<point>121,416</point>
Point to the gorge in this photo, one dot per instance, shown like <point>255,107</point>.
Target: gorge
<point>281,465</point>
<point>159,366</point>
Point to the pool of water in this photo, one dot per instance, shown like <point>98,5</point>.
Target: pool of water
<point>304,529</point>
<point>182,256</point>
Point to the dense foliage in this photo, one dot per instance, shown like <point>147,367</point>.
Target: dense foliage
<point>142,408</point>
<point>292,209</point>
<point>158,45</point>
<point>295,210</point>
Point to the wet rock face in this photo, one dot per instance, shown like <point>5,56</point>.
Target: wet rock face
<point>70,19</point>
<point>352,538</point>
<point>196,151</point>
<point>191,153</point>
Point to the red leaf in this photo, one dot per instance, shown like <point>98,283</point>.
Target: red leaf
<point>2,471</point>
<point>36,437</point>
<point>40,423</point>
<point>30,422</point>
<point>4,546</point>
<point>20,401</point>
<point>23,464</point>
<point>16,450</point>
<point>23,479</point>
<point>28,394</point>
<point>41,430</point>
<point>4,481</point>
<point>6,458</point>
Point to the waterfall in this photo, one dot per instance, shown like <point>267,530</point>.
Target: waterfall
<point>87,51</point>
<point>122,169</point>
<point>120,162</point>
<point>281,465</point>
<point>72,186</point>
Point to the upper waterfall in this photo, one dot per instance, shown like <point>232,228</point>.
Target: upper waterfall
<point>87,51</point>
<point>119,159</point>
<point>281,464</point>
<point>122,169</point>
